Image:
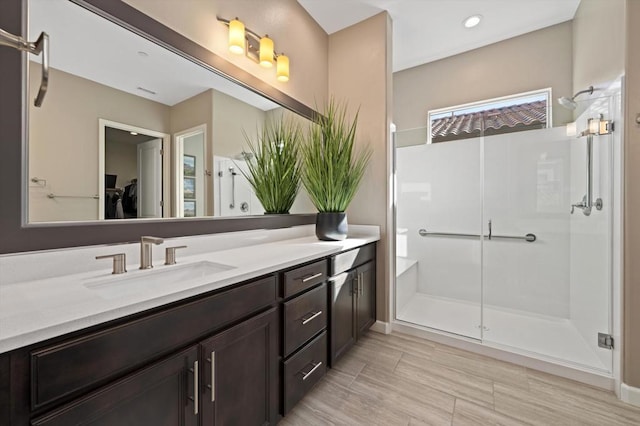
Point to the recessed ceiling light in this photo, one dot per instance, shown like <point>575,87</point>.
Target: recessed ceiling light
<point>134,133</point>
<point>472,21</point>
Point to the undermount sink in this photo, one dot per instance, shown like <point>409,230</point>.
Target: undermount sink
<point>115,287</point>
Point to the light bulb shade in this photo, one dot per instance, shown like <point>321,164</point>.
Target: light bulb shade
<point>282,68</point>
<point>236,37</point>
<point>266,52</point>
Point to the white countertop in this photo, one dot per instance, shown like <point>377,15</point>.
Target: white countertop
<point>36,310</point>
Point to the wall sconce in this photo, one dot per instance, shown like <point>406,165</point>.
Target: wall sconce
<point>258,48</point>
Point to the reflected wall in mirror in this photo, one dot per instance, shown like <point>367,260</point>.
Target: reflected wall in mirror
<point>107,83</point>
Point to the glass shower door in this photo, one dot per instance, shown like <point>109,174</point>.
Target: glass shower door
<point>438,275</point>
<point>546,264</point>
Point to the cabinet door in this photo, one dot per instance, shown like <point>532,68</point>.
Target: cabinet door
<point>365,297</point>
<point>240,374</point>
<point>161,394</point>
<point>342,326</point>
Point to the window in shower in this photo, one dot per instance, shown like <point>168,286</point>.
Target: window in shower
<point>508,114</point>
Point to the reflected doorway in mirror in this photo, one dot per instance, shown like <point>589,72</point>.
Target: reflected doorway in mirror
<point>137,157</point>
<point>191,178</point>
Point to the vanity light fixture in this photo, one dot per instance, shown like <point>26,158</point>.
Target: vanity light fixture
<point>282,68</point>
<point>260,49</point>
<point>236,36</point>
<point>134,133</point>
<point>266,52</point>
<point>472,21</point>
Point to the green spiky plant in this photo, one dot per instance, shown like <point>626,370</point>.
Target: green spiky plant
<point>273,165</point>
<point>331,167</point>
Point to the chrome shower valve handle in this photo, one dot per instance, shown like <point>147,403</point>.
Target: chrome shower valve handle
<point>586,209</point>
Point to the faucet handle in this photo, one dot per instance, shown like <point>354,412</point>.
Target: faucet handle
<point>152,240</point>
<point>119,262</point>
<point>170,254</point>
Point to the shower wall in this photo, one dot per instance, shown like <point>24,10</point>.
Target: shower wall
<point>231,193</point>
<point>527,178</point>
<point>526,190</point>
<point>590,255</point>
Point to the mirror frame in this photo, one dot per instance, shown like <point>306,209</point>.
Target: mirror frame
<point>18,236</point>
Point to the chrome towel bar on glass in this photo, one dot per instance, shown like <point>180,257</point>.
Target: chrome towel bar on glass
<point>53,196</point>
<point>529,237</point>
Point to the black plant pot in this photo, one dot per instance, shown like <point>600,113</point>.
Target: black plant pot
<point>331,226</point>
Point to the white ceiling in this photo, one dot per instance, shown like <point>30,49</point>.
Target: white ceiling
<point>91,47</point>
<point>428,30</point>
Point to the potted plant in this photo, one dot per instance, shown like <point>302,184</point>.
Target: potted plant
<point>332,169</point>
<point>273,166</point>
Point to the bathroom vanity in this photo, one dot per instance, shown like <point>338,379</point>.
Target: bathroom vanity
<point>240,350</point>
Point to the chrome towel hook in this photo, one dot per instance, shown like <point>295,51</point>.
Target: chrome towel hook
<point>39,46</point>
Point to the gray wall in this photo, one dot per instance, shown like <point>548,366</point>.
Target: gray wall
<point>293,31</point>
<point>531,61</point>
<point>362,78</point>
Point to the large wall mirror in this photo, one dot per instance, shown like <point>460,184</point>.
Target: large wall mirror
<point>131,130</point>
<point>141,131</point>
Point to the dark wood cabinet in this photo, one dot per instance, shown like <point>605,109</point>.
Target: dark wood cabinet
<point>303,370</point>
<point>343,330</point>
<point>94,358</point>
<point>162,394</point>
<point>352,299</point>
<point>304,335</point>
<point>365,297</point>
<point>230,378</point>
<point>240,374</point>
<point>241,355</point>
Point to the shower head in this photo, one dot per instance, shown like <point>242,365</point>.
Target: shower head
<point>567,103</point>
<point>570,103</point>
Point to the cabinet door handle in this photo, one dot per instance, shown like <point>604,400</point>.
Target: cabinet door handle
<point>311,277</point>
<point>213,376</point>
<point>313,315</point>
<point>315,367</point>
<point>194,370</point>
<point>360,279</point>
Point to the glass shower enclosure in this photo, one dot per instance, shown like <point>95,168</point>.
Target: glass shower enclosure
<point>507,239</point>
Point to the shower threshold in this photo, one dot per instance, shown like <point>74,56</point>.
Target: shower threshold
<point>551,337</point>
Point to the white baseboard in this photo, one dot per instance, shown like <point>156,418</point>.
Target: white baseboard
<point>630,394</point>
<point>381,327</point>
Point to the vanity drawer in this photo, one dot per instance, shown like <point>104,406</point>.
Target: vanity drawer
<point>350,259</point>
<point>303,370</point>
<point>304,317</point>
<point>299,279</point>
<point>80,364</point>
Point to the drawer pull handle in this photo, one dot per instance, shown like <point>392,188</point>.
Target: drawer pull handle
<point>213,376</point>
<point>194,370</point>
<point>313,315</point>
<point>311,277</point>
<point>315,367</point>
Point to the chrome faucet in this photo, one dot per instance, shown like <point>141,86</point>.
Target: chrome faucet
<point>146,258</point>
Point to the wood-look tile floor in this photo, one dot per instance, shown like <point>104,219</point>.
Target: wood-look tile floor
<point>398,379</point>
